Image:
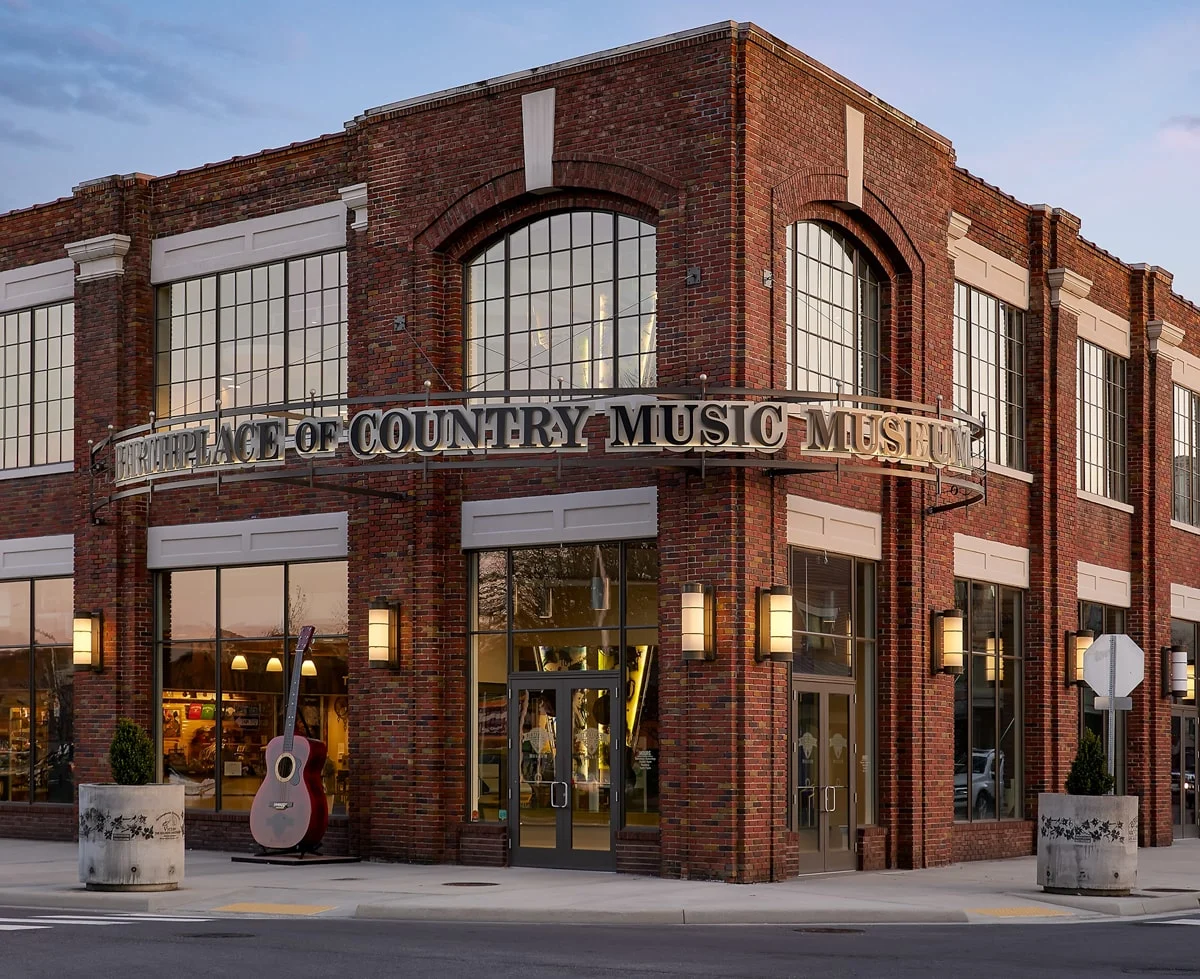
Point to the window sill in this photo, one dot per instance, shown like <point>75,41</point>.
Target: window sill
<point>994,469</point>
<point>28,472</point>
<point>1104,501</point>
<point>1187,528</point>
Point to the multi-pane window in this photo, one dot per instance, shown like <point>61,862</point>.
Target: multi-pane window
<point>1103,620</point>
<point>1187,457</point>
<point>567,301</point>
<point>37,386</point>
<point>987,704</point>
<point>36,691</point>
<point>989,370</point>
<point>226,644</point>
<point>1100,422</point>
<point>833,309</point>
<point>259,336</point>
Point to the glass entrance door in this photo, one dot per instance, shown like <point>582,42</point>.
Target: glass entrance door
<point>824,802</point>
<point>566,733</point>
<point>1184,732</point>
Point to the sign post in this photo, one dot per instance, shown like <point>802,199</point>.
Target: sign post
<point>1113,666</point>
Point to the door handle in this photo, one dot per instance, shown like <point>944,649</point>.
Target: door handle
<point>830,801</point>
<point>565,795</point>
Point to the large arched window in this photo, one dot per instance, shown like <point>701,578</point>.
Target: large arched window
<point>565,301</point>
<point>833,294</point>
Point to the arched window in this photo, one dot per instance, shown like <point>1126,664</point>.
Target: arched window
<point>565,301</point>
<point>833,293</point>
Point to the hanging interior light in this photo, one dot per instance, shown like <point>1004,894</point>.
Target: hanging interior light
<point>775,624</point>
<point>274,665</point>
<point>600,584</point>
<point>948,641</point>
<point>995,658</point>
<point>308,667</point>
<point>239,662</point>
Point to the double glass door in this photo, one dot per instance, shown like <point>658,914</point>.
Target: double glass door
<point>1184,731</point>
<point>823,752</point>
<point>567,734</point>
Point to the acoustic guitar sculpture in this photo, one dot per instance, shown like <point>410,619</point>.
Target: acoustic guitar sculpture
<point>289,810</point>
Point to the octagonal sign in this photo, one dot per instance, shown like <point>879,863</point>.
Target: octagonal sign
<point>1131,665</point>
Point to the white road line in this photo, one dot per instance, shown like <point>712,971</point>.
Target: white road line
<point>23,927</point>
<point>1180,921</point>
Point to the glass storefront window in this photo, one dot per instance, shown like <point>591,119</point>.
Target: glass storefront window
<point>36,691</point>
<point>591,607</point>
<point>226,660</point>
<point>1103,619</point>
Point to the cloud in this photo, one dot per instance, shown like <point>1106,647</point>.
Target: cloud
<point>1181,133</point>
<point>14,135</point>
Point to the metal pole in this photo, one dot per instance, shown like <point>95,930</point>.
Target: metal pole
<point>1112,707</point>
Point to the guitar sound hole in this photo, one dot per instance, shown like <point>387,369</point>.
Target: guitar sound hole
<point>284,768</point>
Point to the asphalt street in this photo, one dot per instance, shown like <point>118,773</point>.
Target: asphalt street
<point>36,944</point>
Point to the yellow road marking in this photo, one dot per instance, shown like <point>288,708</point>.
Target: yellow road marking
<point>1031,911</point>
<point>254,907</point>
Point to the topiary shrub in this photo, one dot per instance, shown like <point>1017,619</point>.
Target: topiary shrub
<point>131,754</point>
<point>1089,771</point>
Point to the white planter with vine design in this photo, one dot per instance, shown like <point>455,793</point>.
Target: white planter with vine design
<point>1087,844</point>
<point>131,837</point>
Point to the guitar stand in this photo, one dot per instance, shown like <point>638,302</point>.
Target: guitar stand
<point>299,851</point>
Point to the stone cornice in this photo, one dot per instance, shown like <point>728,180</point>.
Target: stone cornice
<point>1163,338</point>
<point>355,199</point>
<point>1066,288</point>
<point>959,226</point>
<point>99,258</point>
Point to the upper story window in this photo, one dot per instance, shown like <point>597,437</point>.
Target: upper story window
<point>1100,422</point>
<point>37,386</point>
<point>1187,457</point>
<point>989,370</point>
<point>833,308</point>
<point>264,335</point>
<point>565,301</point>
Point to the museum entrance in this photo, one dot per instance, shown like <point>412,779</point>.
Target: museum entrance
<point>823,752</point>
<point>564,735</point>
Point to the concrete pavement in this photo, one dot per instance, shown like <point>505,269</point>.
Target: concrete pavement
<point>41,874</point>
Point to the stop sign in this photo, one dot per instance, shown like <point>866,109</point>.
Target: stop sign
<point>1130,665</point>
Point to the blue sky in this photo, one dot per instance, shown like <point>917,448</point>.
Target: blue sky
<point>1092,106</point>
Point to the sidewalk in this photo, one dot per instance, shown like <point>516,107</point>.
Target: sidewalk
<point>38,874</point>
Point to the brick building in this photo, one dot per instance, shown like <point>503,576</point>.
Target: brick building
<point>600,245</point>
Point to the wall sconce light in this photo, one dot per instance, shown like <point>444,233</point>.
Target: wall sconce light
<point>775,613</point>
<point>239,662</point>
<point>1175,671</point>
<point>381,633</point>
<point>274,665</point>
<point>1077,645</point>
<point>948,641</point>
<point>86,632</point>
<point>697,622</point>
<point>308,667</point>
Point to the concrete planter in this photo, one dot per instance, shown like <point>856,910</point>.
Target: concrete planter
<point>1087,844</point>
<point>131,837</point>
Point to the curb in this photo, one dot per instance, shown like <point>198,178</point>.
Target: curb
<point>682,916</point>
<point>1123,907</point>
<point>90,900</point>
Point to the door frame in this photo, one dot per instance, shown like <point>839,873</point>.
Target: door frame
<point>826,859</point>
<point>1185,830</point>
<point>562,855</point>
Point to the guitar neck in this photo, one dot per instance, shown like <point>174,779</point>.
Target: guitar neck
<point>289,724</point>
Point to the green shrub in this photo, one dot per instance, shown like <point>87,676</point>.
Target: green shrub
<point>1089,771</point>
<point>131,754</point>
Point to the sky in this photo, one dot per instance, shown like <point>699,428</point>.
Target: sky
<point>1091,105</point>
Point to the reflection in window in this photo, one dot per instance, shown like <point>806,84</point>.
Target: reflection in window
<point>578,607</point>
<point>36,691</point>
<point>565,301</point>
<point>1187,457</point>
<point>37,386</point>
<point>226,662</point>
<point>987,705</point>
<point>833,310</point>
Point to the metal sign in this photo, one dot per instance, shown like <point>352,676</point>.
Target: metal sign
<point>1113,666</point>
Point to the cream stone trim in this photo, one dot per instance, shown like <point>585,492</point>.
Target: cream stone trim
<point>1108,586</point>
<point>982,268</point>
<point>305,537</point>
<point>102,257</point>
<point>561,518</point>
<point>256,241</point>
<point>1166,340</point>
<point>855,126</point>
<point>837,529</point>
<point>355,199</point>
<point>1187,528</point>
<point>1185,603</point>
<point>991,560</point>
<point>1094,323</point>
<point>1104,501</point>
<point>37,557</point>
<point>994,469</point>
<point>36,285</point>
<point>537,121</point>
<point>47,469</point>
<point>1067,288</point>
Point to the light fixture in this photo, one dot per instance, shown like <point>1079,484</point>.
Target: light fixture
<point>1191,683</point>
<point>86,632</point>
<point>697,621</point>
<point>381,633</point>
<point>274,665</point>
<point>239,662</point>
<point>1077,645</point>
<point>1174,671</point>
<point>308,667</point>
<point>600,583</point>
<point>995,659</point>
<point>948,641</point>
<point>775,610</point>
